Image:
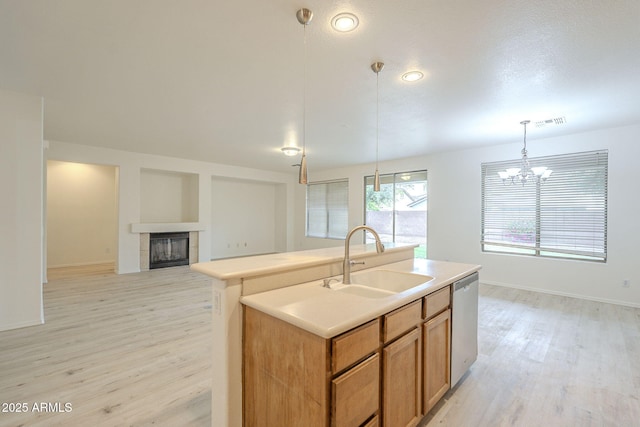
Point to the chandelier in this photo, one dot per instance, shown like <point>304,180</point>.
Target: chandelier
<point>525,173</point>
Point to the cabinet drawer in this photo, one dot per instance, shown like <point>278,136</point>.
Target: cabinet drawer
<point>437,302</point>
<point>401,320</point>
<point>355,395</point>
<point>354,345</point>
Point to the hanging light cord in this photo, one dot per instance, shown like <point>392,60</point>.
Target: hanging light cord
<point>524,150</point>
<point>304,90</point>
<point>304,17</point>
<point>377,116</point>
<point>525,159</point>
<point>377,67</point>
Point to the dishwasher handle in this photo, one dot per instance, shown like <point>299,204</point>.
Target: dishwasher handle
<point>465,282</point>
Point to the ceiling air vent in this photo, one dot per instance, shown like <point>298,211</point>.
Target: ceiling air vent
<point>551,122</point>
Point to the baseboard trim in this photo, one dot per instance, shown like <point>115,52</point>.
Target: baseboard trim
<point>83,264</point>
<point>19,325</point>
<point>561,294</point>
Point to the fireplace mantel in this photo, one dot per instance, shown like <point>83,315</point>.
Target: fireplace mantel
<point>166,227</point>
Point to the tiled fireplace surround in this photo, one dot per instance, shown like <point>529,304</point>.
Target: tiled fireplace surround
<point>144,249</point>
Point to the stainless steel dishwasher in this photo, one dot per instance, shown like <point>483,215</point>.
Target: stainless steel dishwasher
<point>464,326</point>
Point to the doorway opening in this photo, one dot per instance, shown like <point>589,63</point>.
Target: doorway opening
<point>81,218</point>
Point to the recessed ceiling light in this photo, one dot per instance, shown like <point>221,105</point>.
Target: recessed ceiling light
<point>412,76</point>
<point>344,22</point>
<point>290,151</point>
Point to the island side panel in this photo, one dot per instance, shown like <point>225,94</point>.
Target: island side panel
<point>226,395</point>
<point>286,374</point>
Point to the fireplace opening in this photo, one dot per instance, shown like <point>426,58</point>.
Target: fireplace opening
<point>168,249</point>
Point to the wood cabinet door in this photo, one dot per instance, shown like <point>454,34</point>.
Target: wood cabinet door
<point>437,359</point>
<point>401,385</point>
<point>373,422</point>
<point>356,394</point>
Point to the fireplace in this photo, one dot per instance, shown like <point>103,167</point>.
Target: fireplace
<point>168,249</point>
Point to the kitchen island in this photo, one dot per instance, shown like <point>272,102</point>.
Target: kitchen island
<point>248,280</point>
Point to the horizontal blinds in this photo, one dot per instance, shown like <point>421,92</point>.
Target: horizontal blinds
<point>316,210</point>
<point>327,209</point>
<point>337,209</point>
<point>566,214</point>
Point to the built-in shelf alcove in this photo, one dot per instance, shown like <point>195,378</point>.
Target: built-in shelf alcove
<point>168,196</point>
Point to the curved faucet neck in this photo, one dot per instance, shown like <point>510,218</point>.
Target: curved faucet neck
<point>346,264</point>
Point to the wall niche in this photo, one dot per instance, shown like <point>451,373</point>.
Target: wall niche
<point>168,197</point>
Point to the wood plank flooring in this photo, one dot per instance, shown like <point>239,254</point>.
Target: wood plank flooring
<point>130,349</point>
<point>547,360</point>
<point>135,350</point>
<point>80,271</point>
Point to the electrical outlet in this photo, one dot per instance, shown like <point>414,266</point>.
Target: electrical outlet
<point>216,303</point>
<point>626,283</point>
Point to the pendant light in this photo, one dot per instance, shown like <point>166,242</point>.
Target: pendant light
<point>377,67</point>
<point>304,17</point>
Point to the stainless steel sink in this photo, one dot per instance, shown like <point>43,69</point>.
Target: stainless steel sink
<point>388,280</point>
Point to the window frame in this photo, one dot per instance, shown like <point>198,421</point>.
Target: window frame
<point>577,195</point>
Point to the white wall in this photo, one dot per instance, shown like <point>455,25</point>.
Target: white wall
<point>21,165</point>
<point>454,215</point>
<point>81,214</point>
<point>168,196</point>
<point>243,218</point>
<point>130,166</point>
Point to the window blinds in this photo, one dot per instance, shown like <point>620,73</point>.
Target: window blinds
<point>565,216</point>
<point>328,209</point>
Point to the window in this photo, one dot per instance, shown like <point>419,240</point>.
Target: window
<point>328,209</point>
<point>564,217</point>
<point>398,212</point>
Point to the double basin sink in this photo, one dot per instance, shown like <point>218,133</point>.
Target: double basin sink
<point>380,283</point>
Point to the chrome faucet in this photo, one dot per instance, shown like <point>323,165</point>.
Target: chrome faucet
<point>347,263</point>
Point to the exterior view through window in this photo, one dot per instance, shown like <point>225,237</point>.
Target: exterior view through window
<point>398,212</point>
<point>564,216</point>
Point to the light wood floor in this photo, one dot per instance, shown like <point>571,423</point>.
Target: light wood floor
<point>80,271</point>
<point>135,350</point>
<point>547,360</point>
<point>130,349</point>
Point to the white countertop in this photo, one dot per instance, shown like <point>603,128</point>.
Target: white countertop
<point>236,268</point>
<point>328,313</point>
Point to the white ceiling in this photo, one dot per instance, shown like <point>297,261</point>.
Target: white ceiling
<point>222,81</point>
